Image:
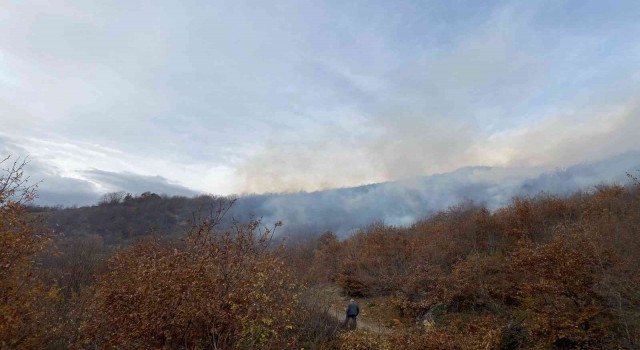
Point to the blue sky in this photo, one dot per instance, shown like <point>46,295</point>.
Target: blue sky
<point>235,97</point>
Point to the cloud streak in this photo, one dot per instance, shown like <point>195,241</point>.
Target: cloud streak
<point>59,187</point>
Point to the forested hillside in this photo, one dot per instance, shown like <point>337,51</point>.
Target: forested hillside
<point>544,272</point>
<point>120,216</point>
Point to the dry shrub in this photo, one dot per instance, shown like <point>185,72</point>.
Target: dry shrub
<point>362,340</point>
<point>544,272</point>
<point>478,332</point>
<point>316,326</point>
<point>327,255</point>
<point>352,286</point>
<point>24,299</point>
<point>480,282</point>
<point>221,290</point>
<point>556,292</point>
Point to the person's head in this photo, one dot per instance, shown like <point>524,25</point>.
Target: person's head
<point>352,301</point>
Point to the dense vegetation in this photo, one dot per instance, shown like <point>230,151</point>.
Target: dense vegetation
<point>542,273</point>
<point>545,273</point>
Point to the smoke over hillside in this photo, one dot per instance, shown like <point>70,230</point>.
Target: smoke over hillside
<point>342,211</point>
<point>403,202</point>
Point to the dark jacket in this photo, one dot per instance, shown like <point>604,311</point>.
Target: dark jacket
<point>353,310</point>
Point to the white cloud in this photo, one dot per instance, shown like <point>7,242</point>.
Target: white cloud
<point>566,139</point>
<point>243,97</point>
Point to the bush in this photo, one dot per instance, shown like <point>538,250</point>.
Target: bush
<point>352,286</point>
<point>219,290</point>
<point>24,299</point>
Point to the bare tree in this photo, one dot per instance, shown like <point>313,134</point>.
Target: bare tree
<point>112,198</point>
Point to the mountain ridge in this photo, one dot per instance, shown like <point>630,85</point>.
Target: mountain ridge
<point>346,210</point>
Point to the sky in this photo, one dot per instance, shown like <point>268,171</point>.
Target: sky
<point>232,97</point>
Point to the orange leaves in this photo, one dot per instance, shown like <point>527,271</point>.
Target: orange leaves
<point>23,300</point>
<point>222,289</point>
<point>544,272</point>
<point>557,291</point>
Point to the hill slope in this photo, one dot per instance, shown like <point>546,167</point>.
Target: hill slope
<point>347,209</point>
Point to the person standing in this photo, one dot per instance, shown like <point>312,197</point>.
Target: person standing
<point>352,315</point>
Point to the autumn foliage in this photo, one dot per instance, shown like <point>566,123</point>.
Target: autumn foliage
<point>216,290</point>
<point>542,273</point>
<point>24,298</point>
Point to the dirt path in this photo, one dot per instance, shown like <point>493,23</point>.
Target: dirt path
<point>330,298</point>
<point>365,325</point>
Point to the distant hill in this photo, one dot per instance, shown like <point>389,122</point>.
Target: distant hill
<point>343,210</point>
<point>403,202</point>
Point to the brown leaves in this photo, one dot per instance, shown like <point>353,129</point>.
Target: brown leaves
<point>545,272</point>
<point>557,291</point>
<point>221,289</point>
<point>23,299</point>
